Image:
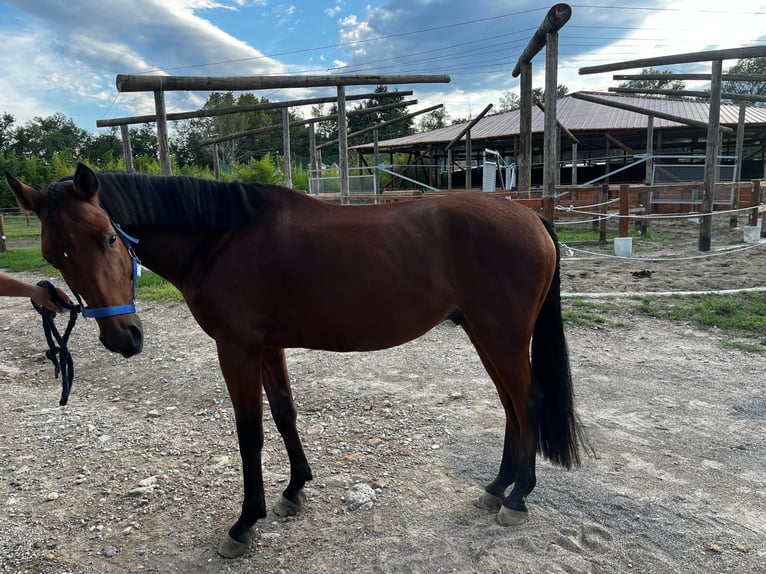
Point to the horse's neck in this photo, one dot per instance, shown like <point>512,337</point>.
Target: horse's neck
<point>176,254</point>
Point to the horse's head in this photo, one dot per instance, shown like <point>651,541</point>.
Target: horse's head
<point>80,240</point>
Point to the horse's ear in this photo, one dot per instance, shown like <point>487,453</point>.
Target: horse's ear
<point>85,182</point>
<point>28,198</point>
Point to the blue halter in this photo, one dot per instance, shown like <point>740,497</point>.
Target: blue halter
<point>118,309</point>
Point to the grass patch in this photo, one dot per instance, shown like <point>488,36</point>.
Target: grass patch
<point>27,259</point>
<point>740,317</point>
<point>588,312</point>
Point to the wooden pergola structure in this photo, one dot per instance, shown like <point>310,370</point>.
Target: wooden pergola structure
<point>161,84</point>
<point>716,57</point>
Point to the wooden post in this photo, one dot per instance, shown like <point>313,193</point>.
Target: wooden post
<point>216,163</point>
<point>603,221</point>
<point>342,145</point>
<point>376,159</point>
<point>643,224</point>
<point>313,164</point>
<point>755,199</point>
<point>738,151</point>
<point>574,163</point>
<point>649,149</point>
<point>286,147</point>
<point>162,132</point>
<point>524,160</point>
<point>624,224</point>
<point>468,164</point>
<point>714,121</point>
<point>550,153</point>
<point>449,169</point>
<point>127,150</point>
<point>2,234</point>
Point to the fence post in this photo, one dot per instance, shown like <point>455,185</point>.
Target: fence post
<point>603,221</point>
<point>623,229</point>
<point>2,234</point>
<point>755,200</point>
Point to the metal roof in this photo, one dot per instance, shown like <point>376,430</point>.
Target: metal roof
<point>579,115</point>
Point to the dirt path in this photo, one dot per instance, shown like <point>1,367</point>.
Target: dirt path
<point>141,473</point>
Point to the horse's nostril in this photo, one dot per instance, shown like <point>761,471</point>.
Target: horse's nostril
<point>137,336</point>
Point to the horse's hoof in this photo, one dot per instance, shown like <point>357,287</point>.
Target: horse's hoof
<point>509,517</point>
<point>487,501</point>
<point>231,548</point>
<point>285,507</point>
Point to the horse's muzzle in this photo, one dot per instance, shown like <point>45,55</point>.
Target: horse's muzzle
<point>125,338</point>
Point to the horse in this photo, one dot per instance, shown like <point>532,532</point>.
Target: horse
<point>263,268</point>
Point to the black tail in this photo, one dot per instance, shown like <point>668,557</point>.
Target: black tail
<point>560,434</point>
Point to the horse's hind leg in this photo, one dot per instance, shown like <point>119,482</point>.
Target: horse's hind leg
<point>506,358</point>
<point>277,384</point>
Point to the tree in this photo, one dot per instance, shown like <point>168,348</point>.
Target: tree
<point>7,135</point>
<point>395,130</point>
<point>103,149</point>
<point>749,66</point>
<point>433,120</point>
<point>43,137</point>
<point>664,84</point>
<point>509,101</point>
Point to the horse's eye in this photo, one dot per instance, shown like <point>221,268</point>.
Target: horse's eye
<point>112,240</point>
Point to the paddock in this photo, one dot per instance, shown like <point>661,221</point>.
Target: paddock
<point>141,472</point>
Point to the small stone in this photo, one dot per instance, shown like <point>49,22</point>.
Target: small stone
<point>219,461</point>
<point>360,496</point>
<point>52,496</point>
<point>109,551</point>
<point>153,414</point>
<point>149,481</point>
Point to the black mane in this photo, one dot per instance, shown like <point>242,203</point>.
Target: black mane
<point>141,199</point>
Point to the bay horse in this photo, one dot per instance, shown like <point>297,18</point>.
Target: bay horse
<point>264,268</point>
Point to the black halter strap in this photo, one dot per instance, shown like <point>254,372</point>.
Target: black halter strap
<point>58,353</point>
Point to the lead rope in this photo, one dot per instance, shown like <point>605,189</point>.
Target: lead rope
<point>58,353</point>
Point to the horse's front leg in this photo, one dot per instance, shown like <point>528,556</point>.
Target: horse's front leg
<point>241,367</point>
<point>276,381</point>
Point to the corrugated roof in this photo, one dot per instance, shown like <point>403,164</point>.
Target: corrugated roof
<point>579,115</point>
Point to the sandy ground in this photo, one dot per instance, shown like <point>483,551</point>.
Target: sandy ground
<point>140,472</point>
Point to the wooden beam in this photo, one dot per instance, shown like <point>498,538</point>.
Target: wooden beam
<point>618,143</point>
<point>689,93</point>
<point>554,20</point>
<point>297,123</point>
<point>646,111</point>
<point>687,58</point>
<point>144,83</point>
<point>702,77</point>
<point>570,136</point>
<point>212,112</point>
<point>383,124</point>
<point>468,127</point>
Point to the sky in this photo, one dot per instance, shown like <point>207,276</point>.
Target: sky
<point>60,56</point>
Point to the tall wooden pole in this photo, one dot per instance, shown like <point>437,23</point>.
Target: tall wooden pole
<point>127,150</point>
<point>711,149</point>
<point>649,150</point>
<point>739,152</point>
<point>286,147</point>
<point>342,144</point>
<point>524,161</point>
<point>162,132</point>
<point>550,160</point>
